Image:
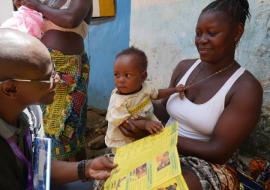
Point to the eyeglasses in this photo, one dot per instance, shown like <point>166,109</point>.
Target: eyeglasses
<point>54,78</point>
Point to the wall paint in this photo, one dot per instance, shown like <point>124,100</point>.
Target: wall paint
<point>254,49</point>
<point>165,30</point>
<point>6,9</point>
<point>106,38</point>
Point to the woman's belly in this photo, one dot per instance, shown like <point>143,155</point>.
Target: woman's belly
<point>66,42</point>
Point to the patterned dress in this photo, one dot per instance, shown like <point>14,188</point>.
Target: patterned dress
<point>65,118</point>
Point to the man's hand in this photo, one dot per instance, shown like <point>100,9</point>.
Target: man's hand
<point>153,126</point>
<point>99,168</point>
<point>17,3</point>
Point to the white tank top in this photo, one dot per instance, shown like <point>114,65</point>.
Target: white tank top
<point>197,121</point>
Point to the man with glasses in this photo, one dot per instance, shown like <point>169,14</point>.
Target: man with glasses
<point>27,77</point>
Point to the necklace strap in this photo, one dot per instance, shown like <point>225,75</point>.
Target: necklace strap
<point>209,76</point>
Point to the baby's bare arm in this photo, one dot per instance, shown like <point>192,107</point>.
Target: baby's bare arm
<point>166,92</point>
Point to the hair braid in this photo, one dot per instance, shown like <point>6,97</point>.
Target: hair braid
<point>237,9</point>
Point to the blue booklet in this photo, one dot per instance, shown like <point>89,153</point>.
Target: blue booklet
<point>42,163</point>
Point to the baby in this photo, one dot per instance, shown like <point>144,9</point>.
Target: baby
<point>132,97</point>
<point>25,20</point>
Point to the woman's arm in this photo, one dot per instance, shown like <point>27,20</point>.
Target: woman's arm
<point>237,121</point>
<point>160,111</point>
<point>67,18</point>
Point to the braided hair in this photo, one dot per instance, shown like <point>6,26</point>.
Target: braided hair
<point>238,10</point>
<point>142,59</point>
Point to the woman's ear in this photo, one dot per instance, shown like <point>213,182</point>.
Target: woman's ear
<point>238,33</point>
<point>9,89</point>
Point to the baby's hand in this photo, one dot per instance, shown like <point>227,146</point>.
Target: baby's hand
<point>181,90</point>
<point>153,126</point>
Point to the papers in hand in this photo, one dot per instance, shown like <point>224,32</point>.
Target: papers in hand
<point>42,163</point>
<point>151,163</point>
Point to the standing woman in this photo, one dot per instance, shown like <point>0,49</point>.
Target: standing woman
<point>66,26</point>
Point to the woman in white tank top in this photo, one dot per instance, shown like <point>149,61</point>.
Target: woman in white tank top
<point>222,100</point>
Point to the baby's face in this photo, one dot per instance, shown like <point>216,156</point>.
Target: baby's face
<point>128,76</point>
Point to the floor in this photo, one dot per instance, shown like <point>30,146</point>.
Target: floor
<point>96,130</point>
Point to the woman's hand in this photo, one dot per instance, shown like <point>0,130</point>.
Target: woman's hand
<point>130,128</point>
<point>153,126</point>
<point>17,3</point>
<point>71,17</point>
<point>32,4</point>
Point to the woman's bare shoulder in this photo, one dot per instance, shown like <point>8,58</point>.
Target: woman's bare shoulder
<point>247,90</point>
<point>248,83</point>
<point>181,68</point>
<point>185,64</point>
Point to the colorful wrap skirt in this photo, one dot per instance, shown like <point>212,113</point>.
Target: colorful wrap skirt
<point>212,176</point>
<point>65,118</point>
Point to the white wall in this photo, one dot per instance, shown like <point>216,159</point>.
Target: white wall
<point>165,30</point>
<point>5,10</point>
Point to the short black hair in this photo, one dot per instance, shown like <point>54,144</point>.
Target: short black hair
<point>142,59</point>
<point>237,9</point>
